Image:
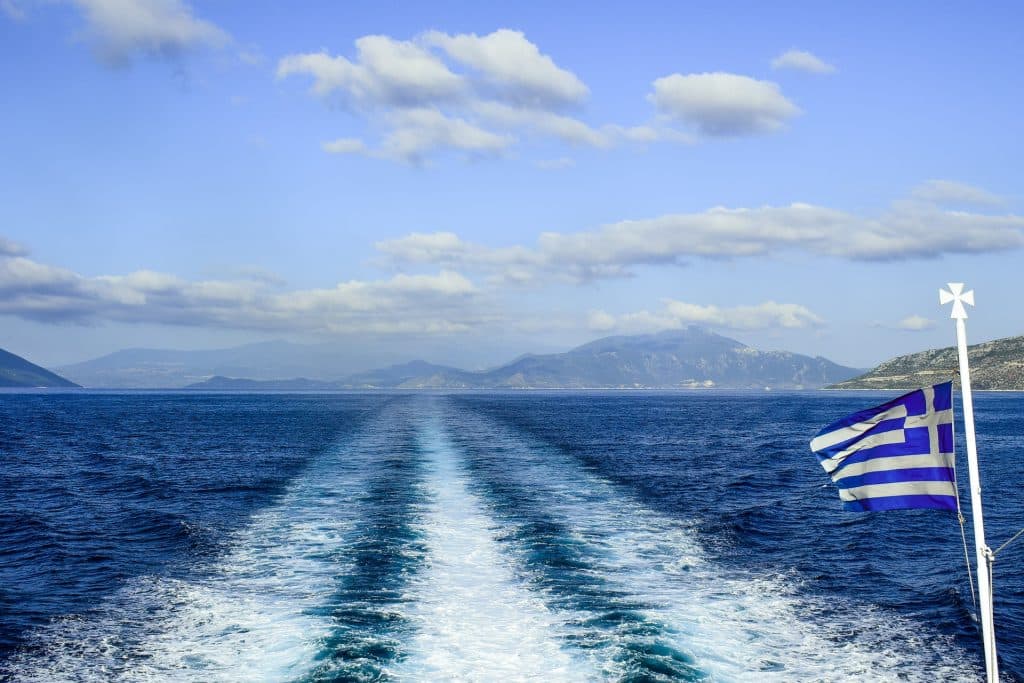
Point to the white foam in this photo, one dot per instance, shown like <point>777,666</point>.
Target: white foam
<point>736,625</point>
<point>252,618</point>
<point>475,619</point>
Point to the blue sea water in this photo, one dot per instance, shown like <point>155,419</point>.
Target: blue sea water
<point>637,536</point>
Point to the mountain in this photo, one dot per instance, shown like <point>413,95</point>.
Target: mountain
<point>417,374</point>
<point>15,371</point>
<point>164,369</point>
<point>693,357</point>
<point>996,364</point>
<point>272,360</point>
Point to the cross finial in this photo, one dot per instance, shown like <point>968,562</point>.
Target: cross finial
<point>959,297</point>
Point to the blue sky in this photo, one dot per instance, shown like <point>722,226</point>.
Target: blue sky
<point>503,179</point>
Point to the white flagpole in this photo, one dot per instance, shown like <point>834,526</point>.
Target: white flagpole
<point>959,297</point>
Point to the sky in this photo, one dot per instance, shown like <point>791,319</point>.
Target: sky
<point>467,181</point>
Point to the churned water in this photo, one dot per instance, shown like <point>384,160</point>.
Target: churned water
<point>635,536</point>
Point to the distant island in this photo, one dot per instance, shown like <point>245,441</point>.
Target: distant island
<point>15,371</point>
<point>995,365</point>
<point>688,358</point>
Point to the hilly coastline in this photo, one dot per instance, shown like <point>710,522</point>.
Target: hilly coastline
<point>995,365</point>
<point>15,371</point>
<point>689,358</point>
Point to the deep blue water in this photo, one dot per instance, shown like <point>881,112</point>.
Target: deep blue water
<point>517,536</point>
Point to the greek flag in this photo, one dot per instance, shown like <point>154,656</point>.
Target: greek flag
<point>895,456</point>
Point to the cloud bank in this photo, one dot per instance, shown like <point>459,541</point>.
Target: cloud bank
<point>907,230</point>
<point>676,315</point>
<point>438,303</point>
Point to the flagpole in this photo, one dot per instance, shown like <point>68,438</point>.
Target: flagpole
<point>958,297</point>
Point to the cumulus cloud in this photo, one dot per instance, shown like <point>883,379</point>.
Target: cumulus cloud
<point>386,72</point>
<point>441,302</point>
<point>123,29</point>
<point>915,323</point>
<point>907,230</point>
<point>483,94</point>
<point>418,132</point>
<point>801,60</point>
<point>723,104</point>
<point>566,128</point>
<point>678,314</point>
<point>952,192</point>
<point>514,64</point>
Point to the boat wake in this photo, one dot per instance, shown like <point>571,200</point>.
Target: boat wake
<point>438,543</point>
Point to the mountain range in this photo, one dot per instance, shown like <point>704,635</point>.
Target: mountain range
<point>692,357</point>
<point>997,364</point>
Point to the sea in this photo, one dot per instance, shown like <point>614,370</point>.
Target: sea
<point>518,536</point>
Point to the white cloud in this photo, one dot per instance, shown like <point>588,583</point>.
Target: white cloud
<point>345,146</point>
<point>908,230</point>
<point>494,91</point>
<point>952,192</point>
<point>387,72</point>
<point>915,323</point>
<point>570,130</point>
<point>678,314</point>
<point>450,249</point>
<point>419,132</point>
<point>514,64</point>
<point>122,29</point>
<point>762,316</point>
<point>403,303</point>
<point>723,104</point>
<point>566,128</point>
<point>601,321</point>
<point>801,60</point>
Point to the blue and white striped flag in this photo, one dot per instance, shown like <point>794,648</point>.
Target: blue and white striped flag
<point>895,456</point>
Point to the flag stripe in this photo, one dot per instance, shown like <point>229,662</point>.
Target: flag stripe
<point>837,460</point>
<point>902,488</point>
<point>916,442</point>
<point>896,462</point>
<point>943,474</point>
<point>901,503</point>
<point>839,437</point>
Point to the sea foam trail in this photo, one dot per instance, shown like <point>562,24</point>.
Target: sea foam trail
<point>735,625</point>
<point>254,616</point>
<point>384,552</point>
<point>475,619</point>
<point>611,626</point>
